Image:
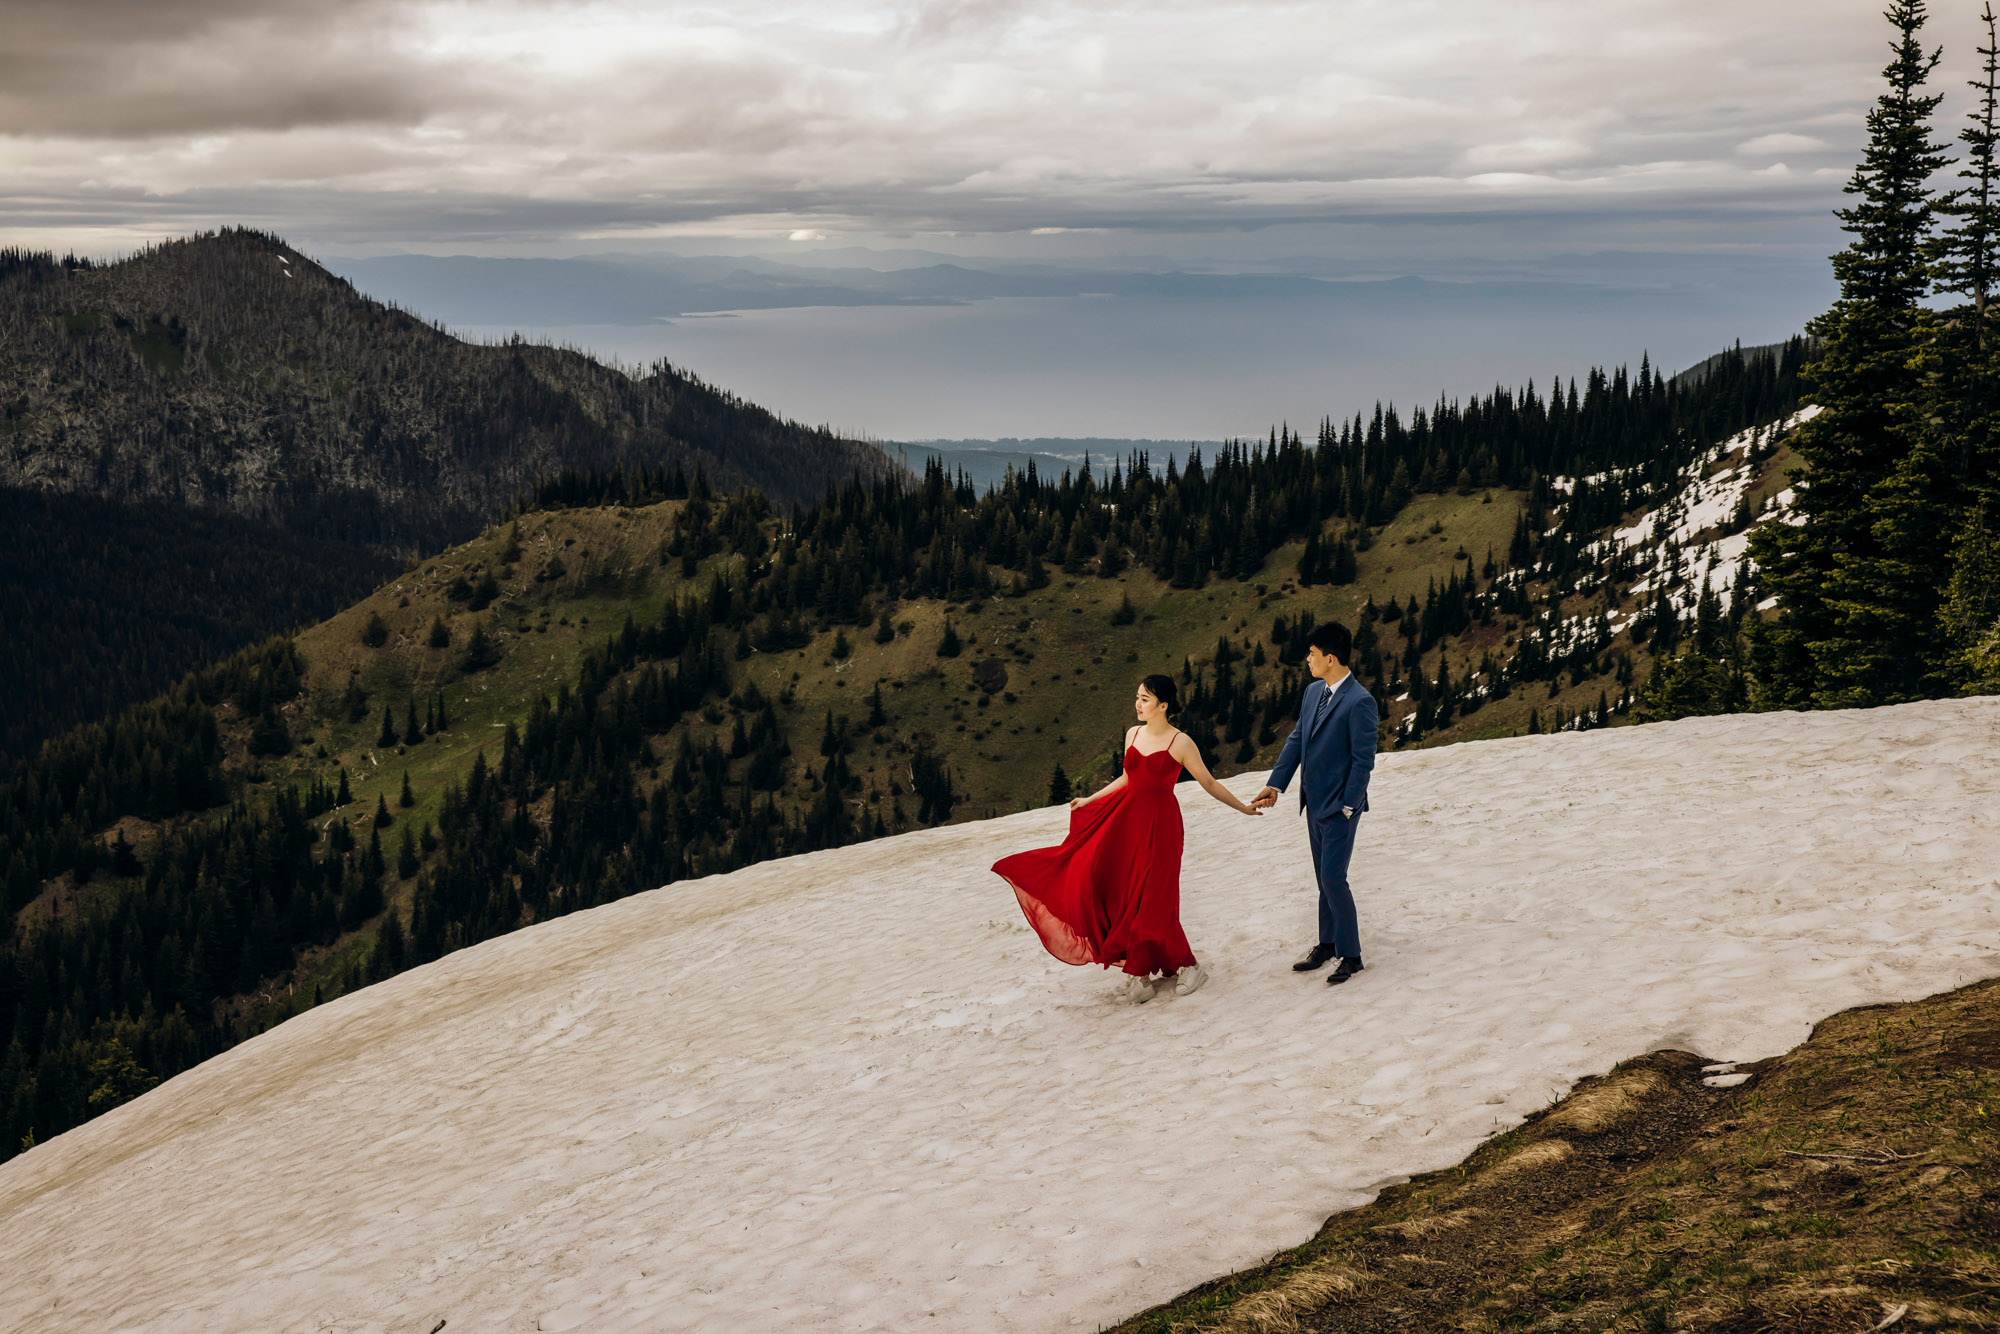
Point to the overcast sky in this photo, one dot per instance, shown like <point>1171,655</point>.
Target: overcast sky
<point>1686,153</point>
<point>1070,127</point>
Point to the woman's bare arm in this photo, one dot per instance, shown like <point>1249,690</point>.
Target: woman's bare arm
<point>1184,749</point>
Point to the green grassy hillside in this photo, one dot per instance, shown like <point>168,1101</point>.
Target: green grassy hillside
<point>1042,680</point>
<point>1061,671</point>
<point>593,699</point>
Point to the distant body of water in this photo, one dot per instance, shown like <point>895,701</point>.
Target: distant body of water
<point>1186,367</point>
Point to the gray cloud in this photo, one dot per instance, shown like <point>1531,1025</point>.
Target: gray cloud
<point>370,121</point>
<point>130,70</point>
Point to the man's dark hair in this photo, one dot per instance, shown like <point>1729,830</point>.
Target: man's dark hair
<point>1333,639</point>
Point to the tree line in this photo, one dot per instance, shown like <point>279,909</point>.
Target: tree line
<point>173,954</point>
<point>1889,587</point>
<point>104,604</point>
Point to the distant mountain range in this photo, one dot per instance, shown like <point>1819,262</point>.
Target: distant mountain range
<point>230,371</point>
<point>616,289</point>
<point>986,461</point>
<point>218,439</point>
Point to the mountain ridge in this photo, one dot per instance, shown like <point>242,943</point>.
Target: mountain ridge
<point>228,370</point>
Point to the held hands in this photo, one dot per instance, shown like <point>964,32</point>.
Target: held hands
<point>1265,799</point>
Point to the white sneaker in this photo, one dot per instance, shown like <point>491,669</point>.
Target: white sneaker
<point>1139,990</point>
<point>1189,980</point>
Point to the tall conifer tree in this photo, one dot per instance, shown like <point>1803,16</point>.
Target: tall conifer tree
<point>1965,397</point>
<point>1833,642</point>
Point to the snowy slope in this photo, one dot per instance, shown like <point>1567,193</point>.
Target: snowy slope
<point>1706,502</point>
<point>848,1091</point>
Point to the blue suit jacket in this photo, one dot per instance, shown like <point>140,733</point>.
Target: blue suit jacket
<point>1334,758</point>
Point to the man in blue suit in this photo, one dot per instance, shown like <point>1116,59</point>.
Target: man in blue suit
<point>1332,749</point>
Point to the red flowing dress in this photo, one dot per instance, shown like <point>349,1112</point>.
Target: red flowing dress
<point>1111,894</point>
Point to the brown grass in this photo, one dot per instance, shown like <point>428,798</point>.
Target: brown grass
<point>1853,1178</point>
<point>1547,1153</point>
<point>1596,1108</point>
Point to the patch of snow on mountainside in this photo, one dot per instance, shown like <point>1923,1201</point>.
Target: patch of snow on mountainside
<point>848,1090</point>
<point>1707,502</point>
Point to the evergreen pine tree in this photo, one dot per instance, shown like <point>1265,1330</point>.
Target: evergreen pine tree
<point>413,731</point>
<point>382,817</point>
<point>373,867</point>
<point>386,960</point>
<point>1345,569</point>
<point>1110,560</point>
<point>409,798</point>
<point>354,703</point>
<point>388,737</point>
<point>444,721</point>
<point>1971,605</point>
<point>376,632</point>
<point>1828,646</point>
<point>1309,560</point>
<point>440,635</point>
<point>885,630</point>
<point>948,646</point>
<point>270,736</point>
<point>1964,404</point>
<point>1059,789</point>
<point>1965,256</point>
<point>344,794</point>
<point>1708,622</point>
<point>406,856</point>
<point>480,651</point>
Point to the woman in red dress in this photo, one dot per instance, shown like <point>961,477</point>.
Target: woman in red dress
<point>1111,894</point>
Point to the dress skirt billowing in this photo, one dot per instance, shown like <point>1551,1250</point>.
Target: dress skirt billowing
<point>1111,893</point>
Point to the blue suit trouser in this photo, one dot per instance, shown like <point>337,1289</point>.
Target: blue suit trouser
<point>1333,848</point>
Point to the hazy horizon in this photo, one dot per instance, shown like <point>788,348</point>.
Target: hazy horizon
<point>1167,356</point>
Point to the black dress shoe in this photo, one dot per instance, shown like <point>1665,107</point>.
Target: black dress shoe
<point>1315,957</point>
<point>1345,969</point>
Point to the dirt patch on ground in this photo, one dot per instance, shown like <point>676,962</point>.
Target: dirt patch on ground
<point>1852,1184</point>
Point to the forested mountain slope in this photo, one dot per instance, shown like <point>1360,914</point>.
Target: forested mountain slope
<point>632,684</point>
<point>216,440</point>
<point>105,603</point>
<point>229,370</point>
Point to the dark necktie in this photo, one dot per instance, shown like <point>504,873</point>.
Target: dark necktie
<point>1325,703</point>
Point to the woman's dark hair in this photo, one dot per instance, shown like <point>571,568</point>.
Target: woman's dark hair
<point>1163,689</point>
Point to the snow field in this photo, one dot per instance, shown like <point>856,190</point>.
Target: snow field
<point>848,1091</point>
<point>1706,502</point>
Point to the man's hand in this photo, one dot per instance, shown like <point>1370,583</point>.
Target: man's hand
<point>1265,799</point>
